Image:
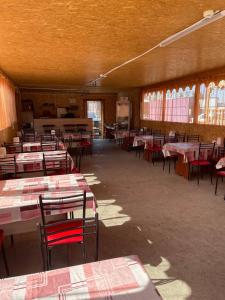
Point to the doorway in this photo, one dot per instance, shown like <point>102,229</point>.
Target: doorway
<point>95,112</point>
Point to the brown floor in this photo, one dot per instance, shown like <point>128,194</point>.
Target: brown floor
<point>176,227</point>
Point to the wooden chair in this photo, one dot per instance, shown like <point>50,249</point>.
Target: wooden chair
<point>173,157</point>
<point>56,163</point>
<point>65,232</point>
<point>8,168</point>
<point>205,156</point>
<point>3,251</point>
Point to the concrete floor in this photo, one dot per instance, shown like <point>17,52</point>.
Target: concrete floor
<point>176,227</point>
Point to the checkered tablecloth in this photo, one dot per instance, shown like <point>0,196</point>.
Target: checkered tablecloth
<point>123,134</point>
<point>117,278</point>
<point>76,136</point>
<point>188,150</point>
<point>143,139</point>
<point>221,163</point>
<point>36,146</point>
<point>19,198</point>
<point>33,161</point>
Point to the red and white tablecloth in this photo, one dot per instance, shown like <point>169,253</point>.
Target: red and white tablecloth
<point>33,161</point>
<point>123,134</point>
<point>188,150</point>
<point>19,198</point>
<point>221,163</point>
<point>117,278</point>
<point>72,136</point>
<point>143,139</point>
<point>36,146</point>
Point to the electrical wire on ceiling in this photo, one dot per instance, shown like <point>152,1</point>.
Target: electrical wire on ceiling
<point>209,16</point>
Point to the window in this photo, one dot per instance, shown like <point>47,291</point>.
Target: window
<point>152,106</point>
<point>179,105</point>
<point>7,104</point>
<point>212,104</point>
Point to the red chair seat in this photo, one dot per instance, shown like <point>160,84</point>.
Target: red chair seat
<point>200,163</point>
<point>74,171</point>
<point>65,235</point>
<point>85,144</point>
<point>220,173</point>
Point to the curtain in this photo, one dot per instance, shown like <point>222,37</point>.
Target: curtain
<point>179,105</point>
<point>212,104</point>
<point>8,115</point>
<point>152,106</point>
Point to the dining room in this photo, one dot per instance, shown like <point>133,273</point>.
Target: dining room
<point>112,150</point>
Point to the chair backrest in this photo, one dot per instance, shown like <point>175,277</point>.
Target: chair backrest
<point>220,153</point>
<point>170,139</point>
<point>50,205</point>
<point>156,131</point>
<point>193,138</point>
<point>48,137</point>
<point>29,137</point>
<point>12,148</point>
<point>7,166</point>
<point>56,161</point>
<point>158,141</point>
<point>69,128</point>
<point>180,137</point>
<point>48,127</point>
<point>49,146</point>
<point>206,151</point>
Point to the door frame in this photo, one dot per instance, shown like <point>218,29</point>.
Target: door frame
<point>102,112</point>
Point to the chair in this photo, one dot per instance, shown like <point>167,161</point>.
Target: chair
<point>48,127</point>
<point>205,156</point>
<point>155,148</point>
<point>12,148</point>
<point>49,146</point>
<point>48,137</point>
<point>220,173</point>
<point>193,138</point>
<point>66,231</point>
<point>156,132</point>
<point>69,128</point>
<point>3,251</point>
<point>172,157</point>
<point>8,168</point>
<point>29,137</point>
<point>180,137</point>
<point>56,163</point>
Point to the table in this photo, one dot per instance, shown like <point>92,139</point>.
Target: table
<point>142,139</point>
<point>221,163</point>
<point>36,146</point>
<point>33,161</point>
<point>117,278</point>
<point>19,198</point>
<point>124,133</point>
<point>75,136</point>
<point>186,152</point>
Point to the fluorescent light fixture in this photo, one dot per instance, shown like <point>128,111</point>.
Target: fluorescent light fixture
<point>210,18</point>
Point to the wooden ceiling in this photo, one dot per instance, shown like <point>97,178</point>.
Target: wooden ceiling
<point>68,43</point>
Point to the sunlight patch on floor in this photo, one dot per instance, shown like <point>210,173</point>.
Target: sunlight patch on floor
<point>168,287</point>
<point>110,214</point>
